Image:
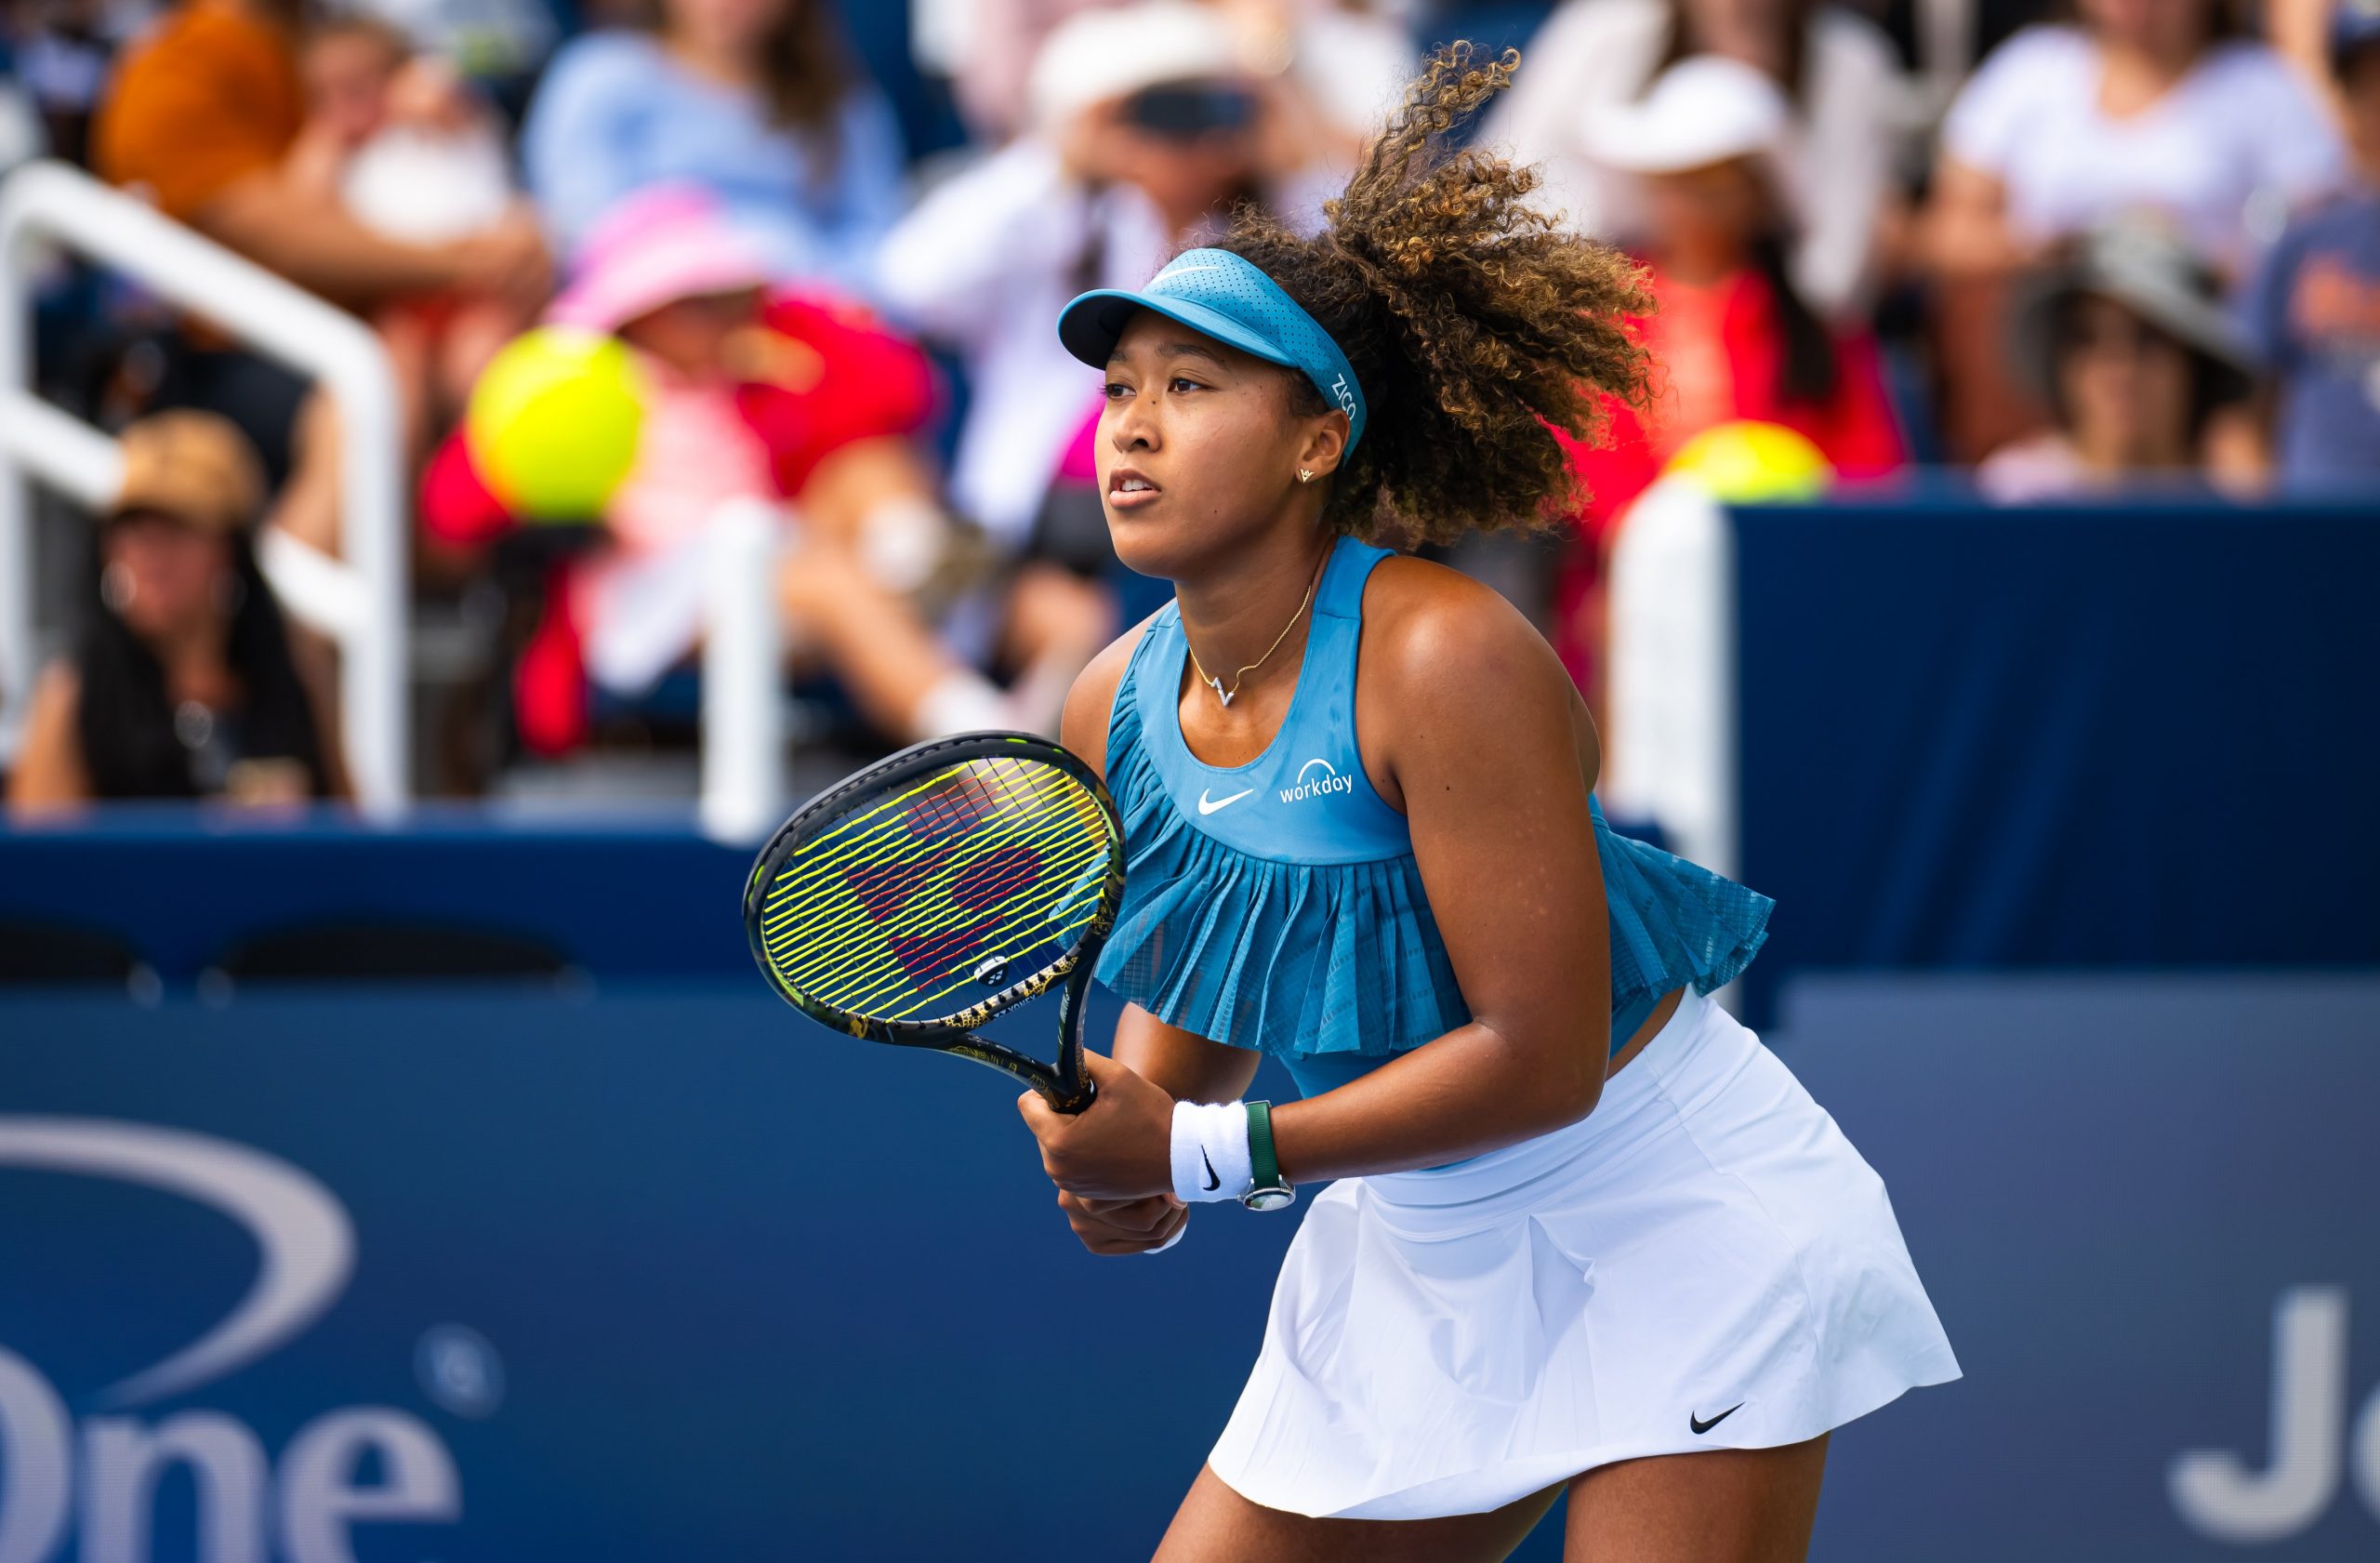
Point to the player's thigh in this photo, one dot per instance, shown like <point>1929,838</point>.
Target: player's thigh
<point>1721,1505</point>
<point>1216,1525</point>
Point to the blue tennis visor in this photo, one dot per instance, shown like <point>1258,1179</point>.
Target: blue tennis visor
<point>1217,294</point>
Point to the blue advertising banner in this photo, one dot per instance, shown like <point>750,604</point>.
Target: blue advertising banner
<point>2059,738</point>
<point>449,1276</point>
<point>2143,1207</point>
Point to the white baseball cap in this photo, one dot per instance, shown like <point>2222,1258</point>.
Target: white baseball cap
<point>1702,111</point>
<point>1096,55</point>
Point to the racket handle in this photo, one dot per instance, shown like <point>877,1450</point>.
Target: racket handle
<point>1074,1090</point>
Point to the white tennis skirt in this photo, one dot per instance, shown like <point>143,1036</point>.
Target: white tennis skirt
<point>1703,1262</point>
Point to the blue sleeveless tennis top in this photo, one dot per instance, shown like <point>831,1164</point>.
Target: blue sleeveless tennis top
<point>1277,905</point>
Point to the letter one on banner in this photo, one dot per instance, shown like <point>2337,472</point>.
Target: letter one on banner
<point>124,1458</point>
<point>309,1246</point>
<point>2215,1492</point>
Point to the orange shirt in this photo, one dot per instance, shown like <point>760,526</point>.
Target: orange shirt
<point>210,94</point>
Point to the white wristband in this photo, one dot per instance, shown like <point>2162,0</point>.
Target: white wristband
<point>1210,1158</point>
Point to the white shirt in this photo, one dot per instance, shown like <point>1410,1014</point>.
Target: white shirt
<point>2224,157</point>
<point>984,264</point>
<point>1594,54</point>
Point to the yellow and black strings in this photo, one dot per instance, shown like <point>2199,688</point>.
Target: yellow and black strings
<point>875,861</point>
<point>898,905</point>
<point>954,908</point>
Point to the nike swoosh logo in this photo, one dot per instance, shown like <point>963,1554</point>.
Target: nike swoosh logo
<point>1208,806</point>
<point>1701,1426</point>
<point>1214,1182</point>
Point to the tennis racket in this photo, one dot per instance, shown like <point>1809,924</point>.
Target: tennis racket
<point>914,901</point>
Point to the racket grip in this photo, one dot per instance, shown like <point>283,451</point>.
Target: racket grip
<point>1074,1090</point>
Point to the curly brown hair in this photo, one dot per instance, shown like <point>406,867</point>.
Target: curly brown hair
<point>1474,325</point>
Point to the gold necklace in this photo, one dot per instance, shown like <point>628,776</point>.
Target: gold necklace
<point>1242,677</point>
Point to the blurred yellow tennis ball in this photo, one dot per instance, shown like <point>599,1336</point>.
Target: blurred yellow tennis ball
<point>1747,462</point>
<point>553,422</point>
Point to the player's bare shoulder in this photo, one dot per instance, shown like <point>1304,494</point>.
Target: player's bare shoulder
<point>1450,664</point>
<point>1432,634</point>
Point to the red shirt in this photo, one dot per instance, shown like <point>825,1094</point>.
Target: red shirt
<point>1717,352</point>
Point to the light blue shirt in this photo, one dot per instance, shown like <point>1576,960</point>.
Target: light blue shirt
<point>1277,905</point>
<point>615,115</point>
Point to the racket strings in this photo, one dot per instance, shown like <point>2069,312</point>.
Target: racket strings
<point>934,806</point>
<point>859,834</point>
<point>900,905</point>
<point>883,868</point>
<point>934,957</point>
<point>828,936</point>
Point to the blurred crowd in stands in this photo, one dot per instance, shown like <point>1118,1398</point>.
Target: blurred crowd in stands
<point>2064,247</point>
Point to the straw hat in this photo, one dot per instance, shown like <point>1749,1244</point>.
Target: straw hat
<point>194,466</point>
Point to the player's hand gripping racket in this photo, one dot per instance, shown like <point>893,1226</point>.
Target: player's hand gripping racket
<point>914,901</point>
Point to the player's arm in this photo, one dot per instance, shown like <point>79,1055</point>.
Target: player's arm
<point>1177,1062</point>
<point>323,249</point>
<point>49,771</point>
<point>1494,759</point>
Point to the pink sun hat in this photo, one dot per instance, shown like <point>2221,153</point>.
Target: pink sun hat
<point>653,248</point>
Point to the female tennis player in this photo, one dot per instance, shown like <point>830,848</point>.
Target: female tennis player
<point>1585,1231</point>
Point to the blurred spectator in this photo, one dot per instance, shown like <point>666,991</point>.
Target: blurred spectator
<point>753,101</point>
<point>62,51</point>
<point>2300,30</point>
<point>1145,129</point>
<point>1731,336</point>
<point>1345,59</point>
<point>2129,346</point>
<point>986,48</point>
<point>2146,107</point>
<point>749,396</point>
<point>2314,312</point>
<point>402,143</point>
<point>182,684</point>
<point>2149,106</point>
<point>1835,69</point>
<point>202,117</point>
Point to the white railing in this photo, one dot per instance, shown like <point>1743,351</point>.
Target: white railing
<point>743,712</point>
<point>1673,689</point>
<point>360,601</point>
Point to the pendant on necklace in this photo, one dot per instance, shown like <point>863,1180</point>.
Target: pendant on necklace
<point>1221,694</point>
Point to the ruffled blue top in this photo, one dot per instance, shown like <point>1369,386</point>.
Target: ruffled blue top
<point>1277,905</point>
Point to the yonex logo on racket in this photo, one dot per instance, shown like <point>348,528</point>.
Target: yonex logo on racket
<point>1317,779</point>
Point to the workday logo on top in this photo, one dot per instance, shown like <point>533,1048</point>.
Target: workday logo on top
<point>1317,780</point>
<point>97,1481</point>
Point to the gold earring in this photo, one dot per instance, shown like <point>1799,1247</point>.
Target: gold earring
<point>1305,475</point>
